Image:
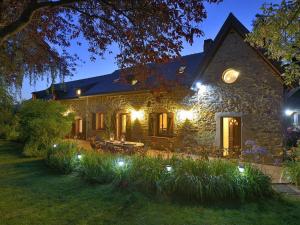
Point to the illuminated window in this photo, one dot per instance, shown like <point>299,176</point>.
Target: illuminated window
<point>99,121</point>
<point>230,76</point>
<point>78,92</point>
<point>161,124</point>
<point>181,69</point>
<point>231,133</point>
<point>78,126</point>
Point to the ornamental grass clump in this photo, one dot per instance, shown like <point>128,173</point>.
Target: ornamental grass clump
<point>195,180</point>
<point>291,172</point>
<point>63,157</point>
<point>102,167</point>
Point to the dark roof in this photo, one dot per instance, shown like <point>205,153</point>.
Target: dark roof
<point>110,83</point>
<point>231,23</point>
<point>195,66</point>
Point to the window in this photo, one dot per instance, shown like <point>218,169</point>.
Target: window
<point>78,92</point>
<point>181,69</point>
<point>231,133</point>
<point>99,121</point>
<point>230,76</point>
<point>161,124</point>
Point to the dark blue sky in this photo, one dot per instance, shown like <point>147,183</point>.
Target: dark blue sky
<point>244,10</point>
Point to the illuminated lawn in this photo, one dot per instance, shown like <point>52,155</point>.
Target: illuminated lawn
<point>30,193</point>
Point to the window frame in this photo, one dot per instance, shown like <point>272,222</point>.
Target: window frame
<point>154,124</point>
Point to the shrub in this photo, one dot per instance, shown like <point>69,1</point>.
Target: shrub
<point>291,171</point>
<point>63,157</point>
<point>42,123</point>
<point>98,167</point>
<point>197,180</point>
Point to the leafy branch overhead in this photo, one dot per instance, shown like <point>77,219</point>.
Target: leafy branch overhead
<point>277,30</point>
<point>35,35</point>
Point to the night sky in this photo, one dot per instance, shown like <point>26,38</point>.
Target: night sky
<point>244,10</point>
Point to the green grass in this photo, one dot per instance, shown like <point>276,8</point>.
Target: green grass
<point>30,193</point>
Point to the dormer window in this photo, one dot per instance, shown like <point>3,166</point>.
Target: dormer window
<point>181,69</point>
<point>116,80</point>
<point>78,92</point>
<point>134,82</point>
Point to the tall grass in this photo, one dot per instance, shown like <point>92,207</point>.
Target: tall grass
<point>196,180</point>
<point>292,172</point>
<point>63,157</point>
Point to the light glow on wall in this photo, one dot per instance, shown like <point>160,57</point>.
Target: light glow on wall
<point>201,88</point>
<point>184,115</point>
<point>288,112</point>
<point>137,115</point>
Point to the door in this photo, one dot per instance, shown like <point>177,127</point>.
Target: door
<point>231,134</point>
<point>123,126</point>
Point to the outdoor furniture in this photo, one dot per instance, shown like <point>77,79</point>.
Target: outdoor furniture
<point>127,147</point>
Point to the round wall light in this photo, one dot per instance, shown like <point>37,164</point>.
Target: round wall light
<point>230,76</point>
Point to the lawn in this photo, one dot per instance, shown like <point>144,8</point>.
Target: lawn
<point>30,193</point>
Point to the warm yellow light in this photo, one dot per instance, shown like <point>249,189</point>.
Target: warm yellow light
<point>137,115</point>
<point>78,91</point>
<point>185,115</point>
<point>66,112</point>
<point>230,76</point>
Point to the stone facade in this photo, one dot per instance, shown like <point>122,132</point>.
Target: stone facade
<point>256,97</point>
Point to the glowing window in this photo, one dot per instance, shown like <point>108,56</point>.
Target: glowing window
<point>230,76</point>
<point>78,91</point>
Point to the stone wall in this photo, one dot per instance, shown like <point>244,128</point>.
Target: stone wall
<point>256,96</point>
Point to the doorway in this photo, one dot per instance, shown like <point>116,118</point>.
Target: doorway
<point>123,125</point>
<point>230,134</point>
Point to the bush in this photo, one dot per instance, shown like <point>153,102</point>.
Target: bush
<point>63,157</point>
<point>291,171</point>
<point>98,167</point>
<point>42,123</point>
<point>197,180</point>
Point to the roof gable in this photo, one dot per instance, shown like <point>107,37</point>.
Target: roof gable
<point>232,23</point>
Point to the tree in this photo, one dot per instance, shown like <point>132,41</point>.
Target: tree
<point>42,124</point>
<point>277,30</point>
<point>145,30</point>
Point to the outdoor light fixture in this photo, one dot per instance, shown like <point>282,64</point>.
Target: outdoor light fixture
<point>79,156</point>
<point>184,115</point>
<point>288,112</point>
<point>78,92</point>
<point>200,87</point>
<point>241,169</point>
<point>137,115</point>
<point>55,145</point>
<point>169,168</point>
<point>120,163</point>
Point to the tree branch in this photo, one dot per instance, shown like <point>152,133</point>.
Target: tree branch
<point>26,16</point>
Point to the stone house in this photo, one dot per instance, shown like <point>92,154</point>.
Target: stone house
<point>221,97</point>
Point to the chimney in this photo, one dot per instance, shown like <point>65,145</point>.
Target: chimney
<point>207,44</point>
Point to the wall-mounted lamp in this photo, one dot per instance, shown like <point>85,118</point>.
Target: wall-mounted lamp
<point>200,87</point>
<point>184,115</point>
<point>288,112</point>
<point>137,115</point>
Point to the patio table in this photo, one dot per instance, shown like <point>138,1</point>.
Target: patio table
<point>126,146</point>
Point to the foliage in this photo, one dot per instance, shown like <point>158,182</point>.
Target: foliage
<point>62,157</point>
<point>254,152</point>
<point>42,124</point>
<point>28,189</point>
<point>277,31</point>
<point>8,118</point>
<point>96,168</point>
<point>292,172</point>
<point>195,180</point>
<point>31,33</point>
